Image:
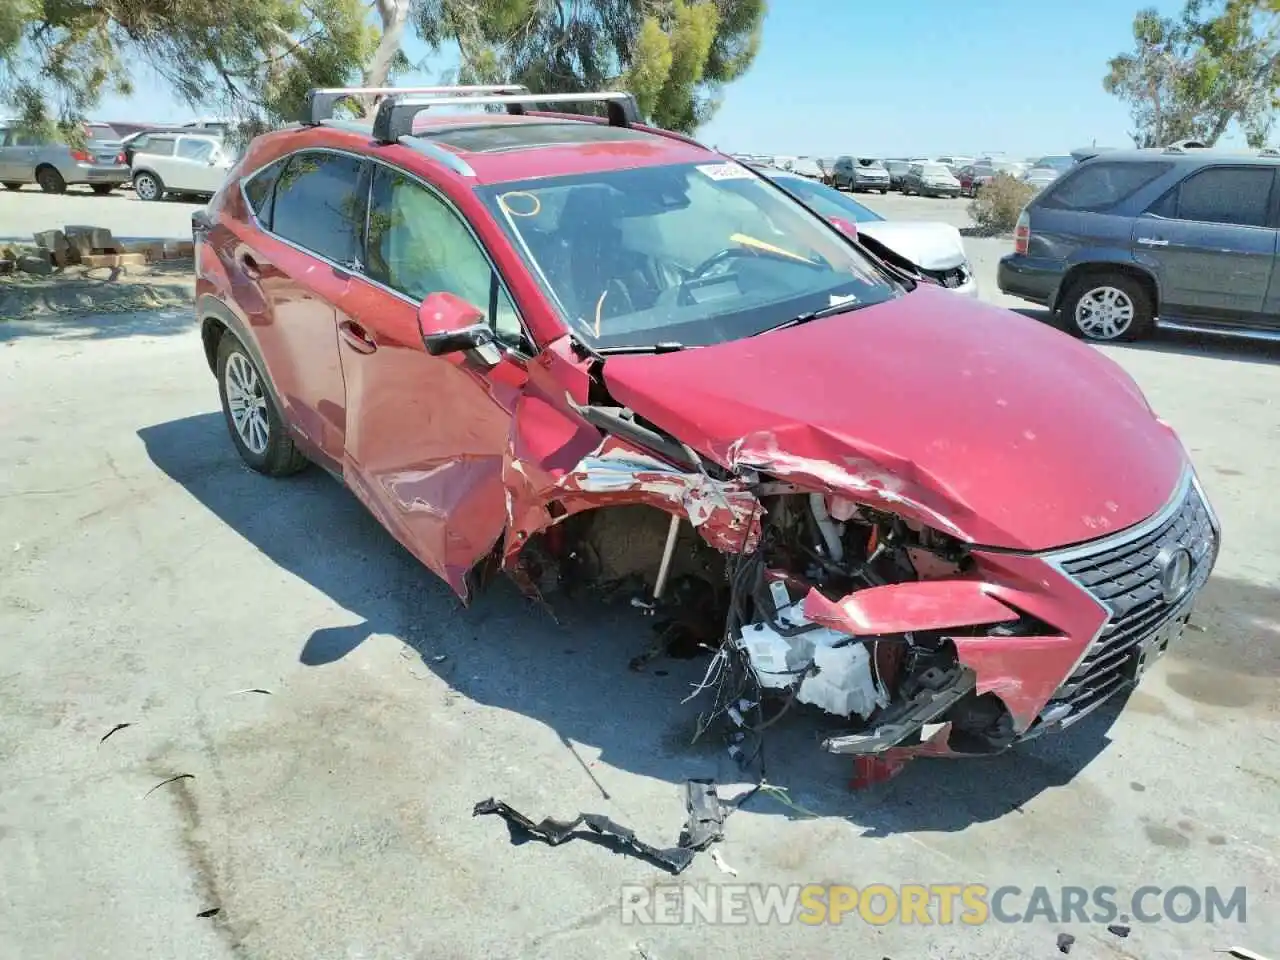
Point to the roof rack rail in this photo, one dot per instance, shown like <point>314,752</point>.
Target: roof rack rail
<point>394,118</point>
<point>321,101</point>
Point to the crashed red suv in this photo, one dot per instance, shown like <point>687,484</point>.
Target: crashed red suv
<point>582,350</point>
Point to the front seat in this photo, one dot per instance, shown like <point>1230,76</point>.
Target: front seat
<point>594,259</point>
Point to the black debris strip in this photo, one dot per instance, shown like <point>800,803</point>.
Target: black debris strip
<point>704,825</point>
<point>739,706</point>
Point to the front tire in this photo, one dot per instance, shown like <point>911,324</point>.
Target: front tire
<point>256,429</point>
<point>1108,308</point>
<point>147,186</point>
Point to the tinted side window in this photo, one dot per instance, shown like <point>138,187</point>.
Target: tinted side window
<point>260,189</point>
<point>156,146</point>
<point>190,149</point>
<point>319,205</point>
<point>1237,195</point>
<point>1100,186</point>
<point>418,245</point>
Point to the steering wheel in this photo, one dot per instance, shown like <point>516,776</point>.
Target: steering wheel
<point>728,253</point>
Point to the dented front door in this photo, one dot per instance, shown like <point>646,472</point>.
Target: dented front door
<point>426,436</point>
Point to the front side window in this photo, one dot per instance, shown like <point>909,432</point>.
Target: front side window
<point>198,150</point>
<point>417,245</point>
<point>1235,195</point>
<point>319,205</point>
<point>1100,186</point>
<point>694,253</point>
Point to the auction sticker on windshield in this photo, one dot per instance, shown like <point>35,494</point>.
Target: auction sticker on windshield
<point>725,171</point>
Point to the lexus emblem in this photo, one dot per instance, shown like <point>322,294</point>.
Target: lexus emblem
<point>1174,566</point>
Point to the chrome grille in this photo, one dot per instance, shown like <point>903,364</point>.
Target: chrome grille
<point>1125,573</point>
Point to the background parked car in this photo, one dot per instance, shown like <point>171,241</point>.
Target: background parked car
<point>955,163</point>
<point>982,171</point>
<point>188,164</point>
<point>934,250</point>
<point>807,167</point>
<point>861,173</point>
<point>27,158</point>
<point>137,142</point>
<point>1047,169</point>
<point>930,179</point>
<point>897,170</point>
<point>1129,236</point>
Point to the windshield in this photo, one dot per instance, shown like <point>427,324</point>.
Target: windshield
<point>692,254</point>
<point>935,170</point>
<point>1056,163</point>
<point>827,201</point>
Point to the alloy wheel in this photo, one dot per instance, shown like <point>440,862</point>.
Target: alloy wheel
<point>145,186</point>
<point>1104,313</point>
<point>247,401</point>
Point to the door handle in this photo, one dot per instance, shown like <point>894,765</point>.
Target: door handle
<point>356,337</point>
<point>251,268</point>
<point>1152,242</point>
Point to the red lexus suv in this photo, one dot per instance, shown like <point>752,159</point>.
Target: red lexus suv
<point>581,349</point>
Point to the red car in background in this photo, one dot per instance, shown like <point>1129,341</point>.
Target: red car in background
<point>975,175</point>
<point>578,349</point>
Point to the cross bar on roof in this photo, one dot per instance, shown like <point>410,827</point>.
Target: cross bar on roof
<point>395,115</point>
<point>322,101</point>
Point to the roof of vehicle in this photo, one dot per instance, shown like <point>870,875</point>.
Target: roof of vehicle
<point>1186,157</point>
<point>497,148</point>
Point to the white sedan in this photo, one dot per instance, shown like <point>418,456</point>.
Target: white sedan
<point>935,250</point>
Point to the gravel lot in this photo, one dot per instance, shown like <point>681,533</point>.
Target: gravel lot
<point>148,579</point>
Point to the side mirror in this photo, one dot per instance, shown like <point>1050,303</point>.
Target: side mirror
<point>451,325</point>
<point>847,227</point>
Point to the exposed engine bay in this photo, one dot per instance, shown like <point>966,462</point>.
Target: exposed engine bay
<point>758,615</point>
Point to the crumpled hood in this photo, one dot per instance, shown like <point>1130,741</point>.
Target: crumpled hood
<point>974,419</point>
<point>934,246</point>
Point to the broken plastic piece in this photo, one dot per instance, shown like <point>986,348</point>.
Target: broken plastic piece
<point>173,779</point>
<point>116,729</point>
<point>705,825</point>
<point>1119,929</point>
<point>1065,940</point>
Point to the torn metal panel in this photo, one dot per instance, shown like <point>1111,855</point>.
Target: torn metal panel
<point>898,608</point>
<point>725,513</point>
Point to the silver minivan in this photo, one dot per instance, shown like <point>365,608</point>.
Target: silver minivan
<point>27,158</point>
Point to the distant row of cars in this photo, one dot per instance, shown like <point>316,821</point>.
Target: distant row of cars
<point>187,160</point>
<point>945,176</point>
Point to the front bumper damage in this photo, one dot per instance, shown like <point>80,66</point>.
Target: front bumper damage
<point>845,589</point>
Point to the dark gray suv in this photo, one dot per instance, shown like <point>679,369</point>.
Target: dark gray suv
<point>1181,238</point>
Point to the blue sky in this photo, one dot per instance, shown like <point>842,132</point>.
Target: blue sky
<point>889,78</point>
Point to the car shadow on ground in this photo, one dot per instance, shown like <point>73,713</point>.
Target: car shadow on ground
<point>1185,344</point>
<point>571,672</point>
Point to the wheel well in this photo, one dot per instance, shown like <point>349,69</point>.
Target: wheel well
<point>211,331</point>
<point>47,166</point>
<point>1076,274</point>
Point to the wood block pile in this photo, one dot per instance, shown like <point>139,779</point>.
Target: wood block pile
<point>90,247</point>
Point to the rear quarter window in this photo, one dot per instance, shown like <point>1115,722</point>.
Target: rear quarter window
<point>1100,186</point>
<point>259,190</point>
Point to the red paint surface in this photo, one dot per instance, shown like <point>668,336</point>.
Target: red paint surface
<point>961,414</point>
